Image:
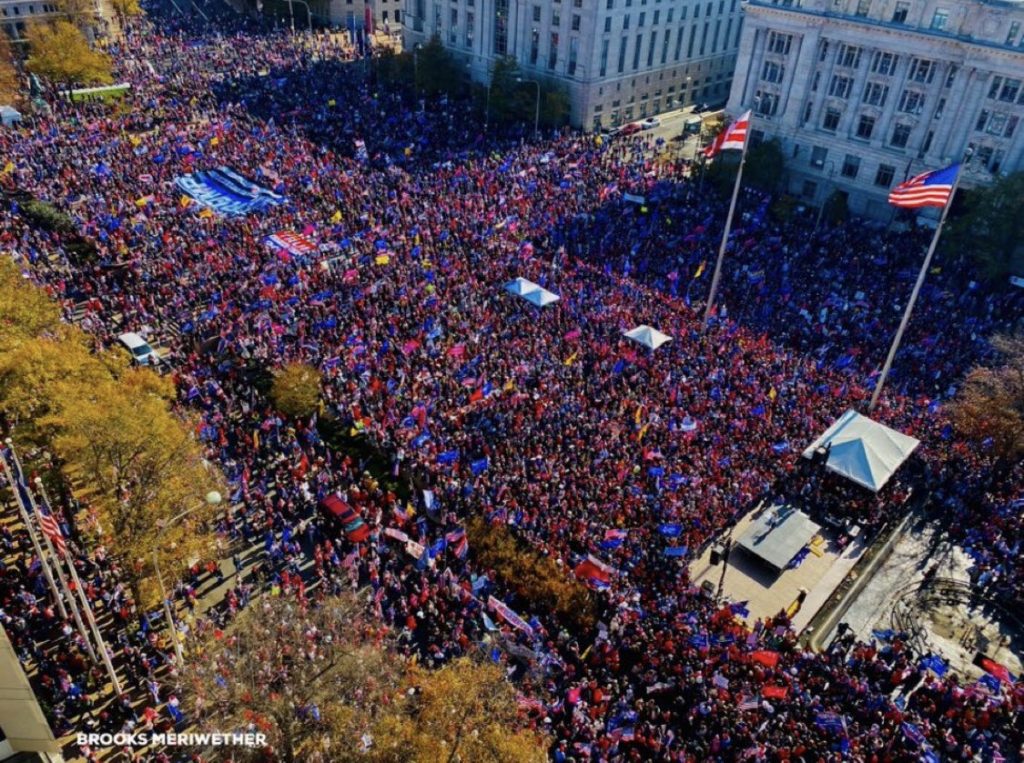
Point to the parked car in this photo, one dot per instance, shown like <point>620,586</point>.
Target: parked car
<point>142,354</point>
<point>344,519</point>
<point>650,123</point>
<point>629,129</point>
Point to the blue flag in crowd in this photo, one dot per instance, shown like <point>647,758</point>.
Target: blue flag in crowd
<point>935,664</point>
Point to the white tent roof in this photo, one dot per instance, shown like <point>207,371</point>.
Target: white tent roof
<point>520,286</point>
<point>863,450</point>
<point>531,292</point>
<point>540,297</point>
<point>647,336</point>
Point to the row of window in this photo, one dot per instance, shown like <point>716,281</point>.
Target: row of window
<point>556,18</point>
<point>901,11</point>
<point>641,19</point>
<point>658,48</point>
<point>997,123</point>
<point>610,5</point>
<point>29,10</point>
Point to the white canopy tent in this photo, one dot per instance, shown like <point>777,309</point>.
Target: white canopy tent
<point>520,286</point>
<point>863,450</point>
<point>540,297</point>
<point>531,292</point>
<point>648,337</point>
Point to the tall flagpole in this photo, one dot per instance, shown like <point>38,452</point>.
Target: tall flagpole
<point>64,583</point>
<point>913,295</point>
<point>725,233</point>
<point>27,520</point>
<point>74,577</point>
<point>100,643</point>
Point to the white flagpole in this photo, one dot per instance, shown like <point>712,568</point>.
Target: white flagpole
<point>913,295</point>
<point>100,643</point>
<point>27,520</point>
<point>63,581</point>
<point>728,228</point>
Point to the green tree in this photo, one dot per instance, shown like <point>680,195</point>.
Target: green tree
<point>296,390</point>
<point>394,68</point>
<point>554,107</point>
<point>836,209</point>
<point>763,168</point>
<point>765,164</point>
<point>511,99</point>
<point>436,70</point>
<point>989,227</point>
<point>59,52</point>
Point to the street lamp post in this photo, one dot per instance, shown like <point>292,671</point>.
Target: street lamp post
<point>726,549</point>
<point>487,103</point>
<point>821,207</point>
<point>416,68</point>
<point>536,111</point>
<point>212,499</point>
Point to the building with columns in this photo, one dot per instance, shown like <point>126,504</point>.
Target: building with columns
<point>618,60</point>
<point>863,94</point>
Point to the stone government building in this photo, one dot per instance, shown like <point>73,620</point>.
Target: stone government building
<point>865,93</point>
<point>617,60</point>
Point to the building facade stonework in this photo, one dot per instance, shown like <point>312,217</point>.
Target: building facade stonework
<point>863,94</point>
<point>618,60</point>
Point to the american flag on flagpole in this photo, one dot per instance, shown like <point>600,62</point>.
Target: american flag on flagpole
<point>929,189</point>
<point>51,529</point>
<point>733,137</point>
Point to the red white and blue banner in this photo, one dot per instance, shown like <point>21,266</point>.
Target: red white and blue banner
<point>294,243</point>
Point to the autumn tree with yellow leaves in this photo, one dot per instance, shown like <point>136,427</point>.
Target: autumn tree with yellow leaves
<point>990,404</point>
<point>125,8</point>
<point>26,311</point>
<point>10,80</point>
<point>466,711</point>
<point>122,440</point>
<point>113,430</point>
<point>296,390</point>
<point>322,684</point>
<point>59,52</point>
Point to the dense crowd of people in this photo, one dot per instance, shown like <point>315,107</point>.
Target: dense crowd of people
<point>544,419</point>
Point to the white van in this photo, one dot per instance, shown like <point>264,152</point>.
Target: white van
<point>142,353</point>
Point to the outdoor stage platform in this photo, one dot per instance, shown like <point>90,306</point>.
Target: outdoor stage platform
<point>778,535</point>
<point>757,572</point>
